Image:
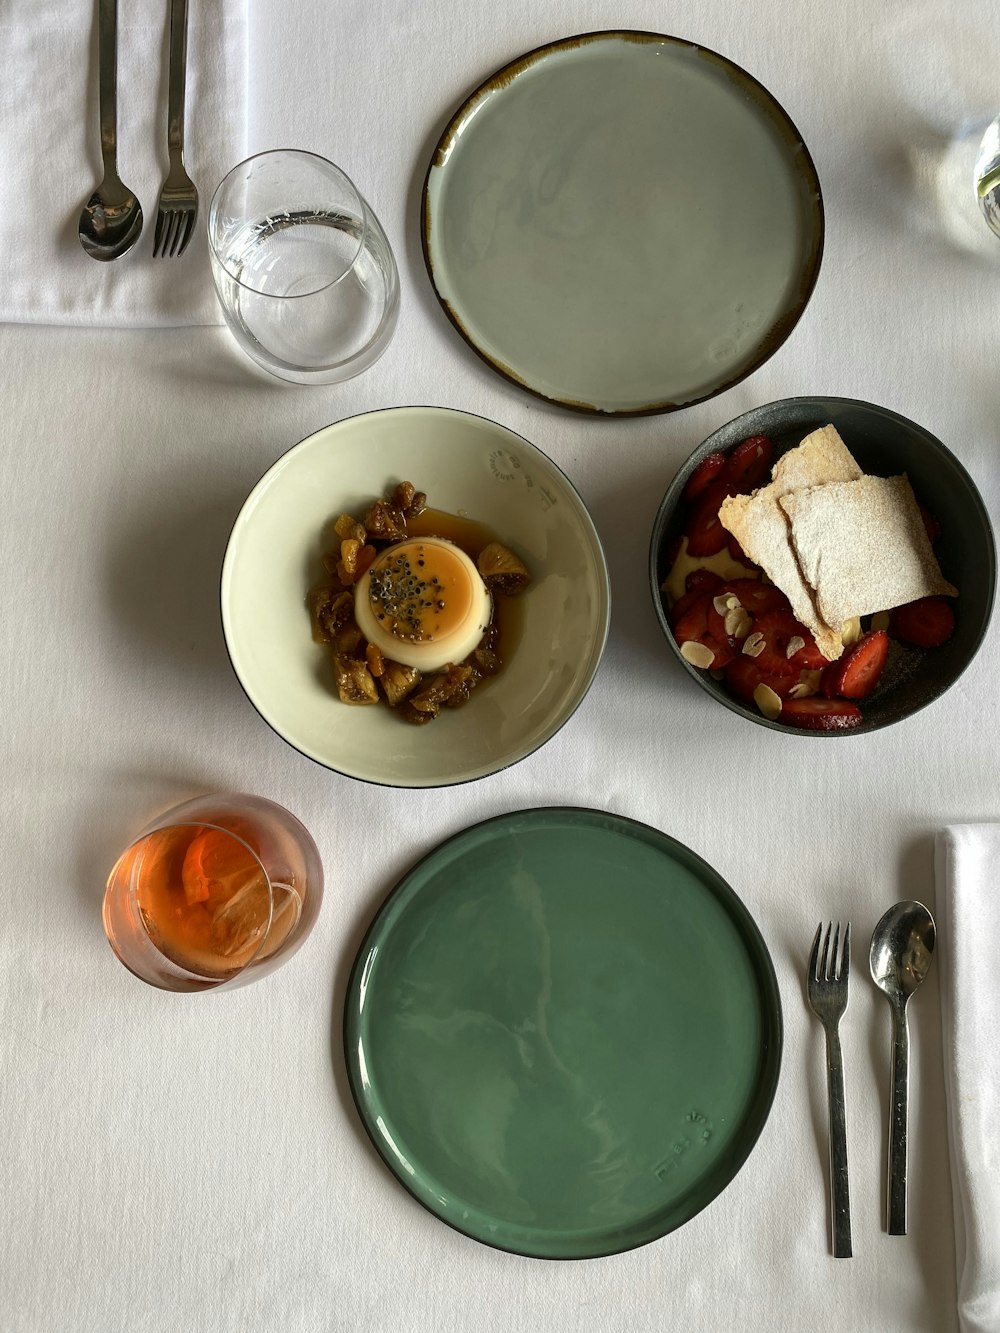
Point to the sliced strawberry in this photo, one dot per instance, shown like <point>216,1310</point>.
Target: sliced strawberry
<point>788,645</point>
<point>816,714</point>
<point>743,675</point>
<point>856,674</point>
<point>705,533</point>
<point>703,580</point>
<point>738,553</point>
<point>932,526</point>
<point>926,623</point>
<point>747,465</point>
<point>689,621</point>
<point>757,597</point>
<point>704,474</point>
<point>697,597</point>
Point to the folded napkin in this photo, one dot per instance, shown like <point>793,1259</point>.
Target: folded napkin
<point>968,874</point>
<point>52,160</point>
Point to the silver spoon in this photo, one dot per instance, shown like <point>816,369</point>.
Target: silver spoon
<point>111,219</point>
<point>902,947</point>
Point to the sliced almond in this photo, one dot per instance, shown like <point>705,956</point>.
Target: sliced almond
<point>753,645</point>
<point>794,644</point>
<point>697,654</point>
<point>737,623</point>
<point>721,603</point>
<point>880,620</point>
<point>767,701</point>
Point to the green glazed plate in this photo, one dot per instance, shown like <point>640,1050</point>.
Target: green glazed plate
<point>563,1033</point>
<point>622,222</point>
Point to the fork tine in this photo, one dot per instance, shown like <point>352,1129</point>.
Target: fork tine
<point>814,953</point>
<point>158,234</point>
<point>186,232</point>
<point>834,973</point>
<point>175,225</point>
<point>845,962</point>
<point>824,963</point>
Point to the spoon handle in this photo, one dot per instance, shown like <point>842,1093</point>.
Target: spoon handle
<point>896,1194</point>
<point>107,45</point>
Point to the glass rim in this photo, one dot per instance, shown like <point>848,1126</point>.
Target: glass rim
<point>301,153</point>
<point>152,831</point>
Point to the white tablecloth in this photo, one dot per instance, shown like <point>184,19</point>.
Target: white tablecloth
<point>196,1163</point>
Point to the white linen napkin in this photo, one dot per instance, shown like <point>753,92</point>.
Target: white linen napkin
<point>968,871</point>
<point>51,159</point>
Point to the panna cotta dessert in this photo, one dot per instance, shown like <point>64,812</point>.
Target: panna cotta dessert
<point>423,603</point>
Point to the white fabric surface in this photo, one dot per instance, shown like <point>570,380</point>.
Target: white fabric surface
<point>968,857</point>
<point>195,1162</point>
<point>52,156</point>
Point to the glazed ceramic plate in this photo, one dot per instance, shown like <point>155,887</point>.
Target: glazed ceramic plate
<point>622,222</point>
<point>563,1033</point>
<point>467,465</point>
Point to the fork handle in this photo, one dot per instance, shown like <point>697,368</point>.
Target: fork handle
<point>840,1193</point>
<point>896,1184</point>
<point>107,57</point>
<point>177,76</point>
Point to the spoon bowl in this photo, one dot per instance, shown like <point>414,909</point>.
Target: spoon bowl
<point>111,219</point>
<point>902,948</point>
<point>901,952</point>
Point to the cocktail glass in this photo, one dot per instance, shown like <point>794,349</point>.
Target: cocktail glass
<point>215,892</point>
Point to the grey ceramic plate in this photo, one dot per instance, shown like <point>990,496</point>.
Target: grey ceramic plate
<point>622,222</point>
<point>563,1033</point>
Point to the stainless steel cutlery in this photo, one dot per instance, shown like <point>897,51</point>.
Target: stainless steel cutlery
<point>111,220</point>
<point>901,951</point>
<point>178,206</point>
<point>827,988</point>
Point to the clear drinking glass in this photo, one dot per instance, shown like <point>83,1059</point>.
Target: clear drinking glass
<point>303,270</point>
<point>215,892</point>
<point>987,175</point>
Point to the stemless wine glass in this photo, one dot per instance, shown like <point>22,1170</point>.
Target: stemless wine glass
<point>215,892</point>
<point>303,270</point>
<point>987,175</point>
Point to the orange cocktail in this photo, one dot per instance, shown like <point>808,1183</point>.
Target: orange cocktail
<point>215,892</point>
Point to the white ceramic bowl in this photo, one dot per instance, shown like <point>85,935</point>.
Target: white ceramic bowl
<point>467,465</point>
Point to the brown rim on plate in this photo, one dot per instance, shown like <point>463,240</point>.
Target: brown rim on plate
<point>764,102</point>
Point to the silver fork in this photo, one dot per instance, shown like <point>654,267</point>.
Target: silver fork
<point>827,990</point>
<point>178,206</point>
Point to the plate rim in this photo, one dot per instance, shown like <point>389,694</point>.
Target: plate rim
<point>779,332</point>
<point>772,1045</point>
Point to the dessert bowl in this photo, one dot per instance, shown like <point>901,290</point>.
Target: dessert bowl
<point>468,466</point>
<point>884,444</point>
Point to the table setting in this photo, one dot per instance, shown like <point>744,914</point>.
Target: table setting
<point>500,549</point>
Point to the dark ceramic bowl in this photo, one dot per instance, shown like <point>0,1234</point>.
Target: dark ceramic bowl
<point>884,444</point>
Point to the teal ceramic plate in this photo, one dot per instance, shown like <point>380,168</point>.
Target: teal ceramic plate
<point>563,1033</point>
<point>622,222</point>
